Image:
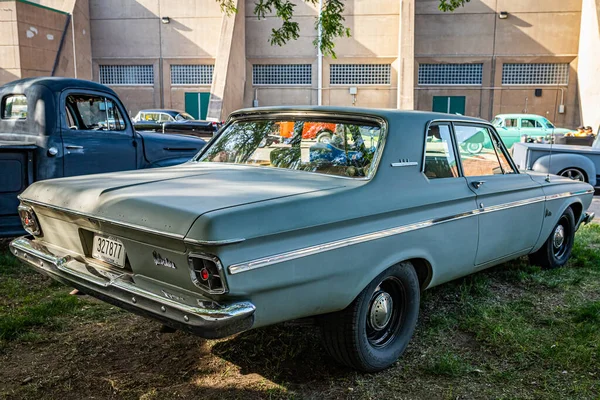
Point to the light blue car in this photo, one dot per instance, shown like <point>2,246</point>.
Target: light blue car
<point>511,127</point>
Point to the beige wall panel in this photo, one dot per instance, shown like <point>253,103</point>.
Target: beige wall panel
<point>303,8</point>
<point>9,33</point>
<point>43,38</point>
<point>9,74</point>
<point>191,37</point>
<point>372,7</point>
<point>518,6</point>
<point>108,38</point>
<point>83,41</point>
<point>62,5</point>
<point>38,17</point>
<point>276,96</point>
<point>473,7</point>
<point>9,57</point>
<point>190,8</point>
<point>366,97</point>
<point>458,34</point>
<point>538,33</point>
<point>473,101</point>
<point>371,36</point>
<point>8,11</point>
<point>136,98</point>
<point>119,9</point>
<point>37,59</point>
<point>258,33</point>
<point>589,64</point>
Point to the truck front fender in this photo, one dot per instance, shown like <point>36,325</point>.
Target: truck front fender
<point>555,163</point>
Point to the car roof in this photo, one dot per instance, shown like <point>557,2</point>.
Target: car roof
<point>519,116</point>
<point>55,84</point>
<point>159,110</point>
<point>386,113</point>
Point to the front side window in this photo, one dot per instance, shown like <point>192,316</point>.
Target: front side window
<point>14,106</point>
<point>480,154</point>
<point>439,154</point>
<point>529,123</point>
<point>340,148</point>
<point>165,117</point>
<point>510,122</point>
<point>184,117</point>
<point>91,112</point>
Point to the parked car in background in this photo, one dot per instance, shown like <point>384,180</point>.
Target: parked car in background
<point>55,127</point>
<point>245,236</point>
<point>581,163</point>
<point>511,127</point>
<point>174,121</point>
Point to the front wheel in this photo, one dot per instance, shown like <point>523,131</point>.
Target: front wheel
<point>372,332</point>
<point>574,174</point>
<point>557,249</point>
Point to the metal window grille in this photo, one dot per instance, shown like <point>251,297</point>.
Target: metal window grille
<point>282,74</point>
<point>450,74</point>
<point>127,75</point>
<point>535,74</point>
<point>360,74</point>
<point>192,74</point>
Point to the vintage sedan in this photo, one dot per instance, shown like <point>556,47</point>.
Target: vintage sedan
<point>245,236</point>
<point>512,127</point>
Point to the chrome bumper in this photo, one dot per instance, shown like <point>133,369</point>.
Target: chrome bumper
<point>588,217</point>
<point>209,319</point>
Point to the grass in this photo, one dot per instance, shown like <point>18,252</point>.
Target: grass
<point>514,331</point>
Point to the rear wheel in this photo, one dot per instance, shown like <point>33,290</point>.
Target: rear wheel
<point>372,332</point>
<point>557,249</point>
<point>574,173</point>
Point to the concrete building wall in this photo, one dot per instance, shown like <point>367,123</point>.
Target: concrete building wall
<point>534,32</point>
<point>589,64</point>
<point>10,61</point>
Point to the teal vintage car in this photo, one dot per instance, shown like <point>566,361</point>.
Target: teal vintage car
<point>249,234</point>
<point>511,127</point>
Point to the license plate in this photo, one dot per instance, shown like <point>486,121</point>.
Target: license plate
<point>109,249</point>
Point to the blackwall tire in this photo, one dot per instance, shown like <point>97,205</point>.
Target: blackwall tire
<point>373,332</point>
<point>556,250</point>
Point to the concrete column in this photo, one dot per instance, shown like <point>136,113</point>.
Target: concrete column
<point>229,79</point>
<point>589,64</point>
<point>406,58</point>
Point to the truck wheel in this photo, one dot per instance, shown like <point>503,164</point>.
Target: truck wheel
<point>573,173</point>
<point>557,249</point>
<point>372,332</point>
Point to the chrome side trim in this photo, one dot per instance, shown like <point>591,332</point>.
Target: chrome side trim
<point>213,242</point>
<point>337,244</point>
<point>102,219</point>
<point>405,164</point>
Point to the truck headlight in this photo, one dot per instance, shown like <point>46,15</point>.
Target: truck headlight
<point>29,220</point>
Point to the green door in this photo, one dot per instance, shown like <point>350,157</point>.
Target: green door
<point>449,104</point>
<point>196,104</point>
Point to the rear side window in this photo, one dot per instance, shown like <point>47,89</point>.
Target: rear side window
<point>14,106</point>
<point>439,154</point>
<point>510,122</point>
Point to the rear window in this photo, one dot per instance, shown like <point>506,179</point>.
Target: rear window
<point>333,147</point>
<point>14,106</point>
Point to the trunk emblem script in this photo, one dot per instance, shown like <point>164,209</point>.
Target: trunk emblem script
<point>165,262</point>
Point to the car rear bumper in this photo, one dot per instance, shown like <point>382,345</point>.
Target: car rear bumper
<point>208,319</point>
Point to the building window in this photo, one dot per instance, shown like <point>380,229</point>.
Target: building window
<point>192,74</point>
<point>282,74</point>
<point>131,75</point>
<point>450,74</point>
<point>535,74</point>
<point>360,74</point>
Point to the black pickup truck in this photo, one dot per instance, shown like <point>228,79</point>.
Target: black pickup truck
<point>56,127</point>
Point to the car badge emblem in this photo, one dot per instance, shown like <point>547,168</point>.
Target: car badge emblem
<point>165,262</point>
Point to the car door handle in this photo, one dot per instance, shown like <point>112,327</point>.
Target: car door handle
<point>74,147</point>
<point>477,184</point>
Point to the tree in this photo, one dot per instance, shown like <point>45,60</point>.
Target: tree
<point>332,20</point>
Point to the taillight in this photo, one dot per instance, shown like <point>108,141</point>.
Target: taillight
<point>29,220</point>
<point>207,273</point>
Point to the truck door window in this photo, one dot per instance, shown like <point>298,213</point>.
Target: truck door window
<point>90,112</point>
<point>439,154</point>
<point>14,106</point>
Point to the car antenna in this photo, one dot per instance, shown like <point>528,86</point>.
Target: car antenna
<point>552,138</point>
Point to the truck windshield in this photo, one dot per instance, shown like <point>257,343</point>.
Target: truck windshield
<point>329,147</point>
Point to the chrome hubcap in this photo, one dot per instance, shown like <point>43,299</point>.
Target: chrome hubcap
<point>381,311</point>
<point>559,236</point>
<point>573,174</point>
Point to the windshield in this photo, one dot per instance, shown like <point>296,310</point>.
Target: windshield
<point>329,147</point>
<point>497,121</point>
<point>184,117</point>
<point>548,123</point>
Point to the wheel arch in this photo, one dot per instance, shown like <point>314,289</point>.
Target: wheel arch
<point>424,271</point>
<point>555,163</point>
